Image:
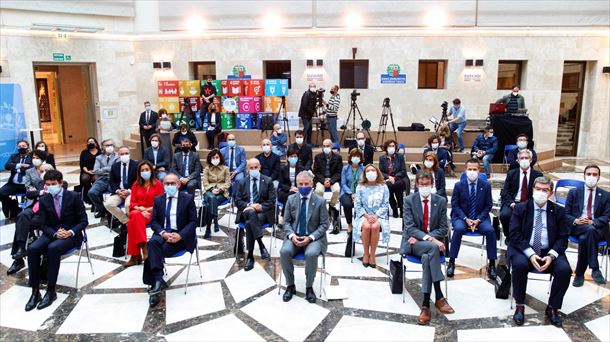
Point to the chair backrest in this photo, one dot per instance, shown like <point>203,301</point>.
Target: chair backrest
<point>336,147</point>
<point>507,149</point>
<point>401,147</point>
<point>222,144</point>
<point>482,176</point>
<point>566,185</point>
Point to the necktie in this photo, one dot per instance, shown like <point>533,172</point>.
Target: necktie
<point>168,210</point>
<point>524,188</point>
<point>538,232</point>
<point>426,216</point>
<point>147,117</point>
<point>57,206</point>
<point>303,217</point>
<point>254,190</point>
<point>185,165</point>
<point>125,185</point>
<point>107,161</point>
<point>589,205</point>
<point>20,173</point>
<point>472,202</point>
<point>231,159</point>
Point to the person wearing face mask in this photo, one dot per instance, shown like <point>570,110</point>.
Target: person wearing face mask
<point>208,92</point>
<point>101,170</point>
<point>458,123</point>
<point>332,108</point>
<point>123,175</point>
<point>143,193</point>
<point>438,175</point>
<point>187,165</point>
<point>18,163</point>
<point>158,156</point>
<point>305,228</point>
<point>288,177</point>
<point>255,201</point>
<point>185,133</point>
<point>278,140</point>
<point>174,220</point>
<point>371,213</point>
<point>588,213</point>
<point>392,166</point>
<point>148,122</point>
<point>442,154</point>
<point>471,203</point>
<point>517,188</point>
<point>327,175</point>
<point>522,144</point>
<point>42,146</point>
<point>307,110</point>
<point>211,124</point>
<point>367,150</point>
<point>538,241</point>
<point>87,164</point>
<point>513,101</point>
<point>270,162</point>
<point>164,129</point>
<point>484,148</point>
<point>235,158</point>
<point>63,218</point>
<point>303,149</point>
<point>216,184</point>
<point>350,176</point>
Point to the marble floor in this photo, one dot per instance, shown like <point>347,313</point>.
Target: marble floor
<point>227,304</point>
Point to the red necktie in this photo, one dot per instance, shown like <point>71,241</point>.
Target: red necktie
<point>426,216</point>
<point>589,205</point>
<point>524,187</point>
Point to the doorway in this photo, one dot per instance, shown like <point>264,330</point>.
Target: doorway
<point>572,86</point>
<point>67,113</point>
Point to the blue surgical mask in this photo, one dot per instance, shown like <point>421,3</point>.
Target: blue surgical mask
<point>355,160</point>
<point>231,143</point>
<point>145,175</point>
<point>170,190</point>
<point>491,135</point>
<point>53,189</point>
<point>293,160</point>
<point>255,173</point>
<point>304,190</point>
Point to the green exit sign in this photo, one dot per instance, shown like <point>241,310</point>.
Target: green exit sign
<point>61,57</point>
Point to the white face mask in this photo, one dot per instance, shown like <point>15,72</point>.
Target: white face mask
<point>434,146</point>
<point>521,144</point>
<point>299,141</point>
<point>428,164</point>
<point>215,162</point>
<point>147,108</point>
<point>472,175</point>
<point>326,150</point>
<point>109,149</point>
<point>41,148</point>
<point>539,197</point>
<point>591,181</point>
<point>312,89</point>
<point>184,133</point>
<point>164,116</point>
<point>425,191</point>
<point>371,176</point>
<point>524,163</point>
<point>360,142</point>
<point>154,144</point>
<point>266,148</point>
<point>515,93</point>
<point>37,162</point>
<point>391,150</point>
<point>280,131</point>
<point>125,158</point>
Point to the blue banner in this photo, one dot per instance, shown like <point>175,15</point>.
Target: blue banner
<point>12,120</point>
<point>278,87</point>
<point>389,79</point>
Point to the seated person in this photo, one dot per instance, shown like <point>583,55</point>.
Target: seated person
<point>122,176</point>
<point>438,175</point>
<point>87,163</point>
<point>174,220</point>
<point>367,151</point>
<point>278,140</point>
<point>187,165</point>
<point>424,229</point>
<point>211,124</point>
<point>484,148</point>
<point>588,213</point>
<point>350,176</point>
<point>185,133</point>
<point>303,149</point>
<point>235,158</point>
<point>442,154</point>
<point>471,203</point>
<point>158,156</point>
<point>305,224</point>
<point>392,166</point>
<point>327,175</point>
<point>143,193</point>
<point>63,218</point>
<point>288,177</point>
<point>255,201</point>
<point>101,170</point>
<point>522,144</point>
<point>538,241</point>
<point>42,146</point>
<point>513,101</point>
<point>17,163</point>
<point>216,185</point>
<point>270,162</point>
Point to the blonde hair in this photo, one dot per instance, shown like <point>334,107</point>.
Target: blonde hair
<point>380,180</point>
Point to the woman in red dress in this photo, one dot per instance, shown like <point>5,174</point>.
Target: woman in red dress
<point>143,193</point>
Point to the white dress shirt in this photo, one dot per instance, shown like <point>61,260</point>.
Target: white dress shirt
<point>172,212</point>
<point>529,173</point>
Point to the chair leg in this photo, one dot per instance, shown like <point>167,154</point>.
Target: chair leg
<point>236,240</point>
<point>323,275</point>
<point>279,283</point>
<point>89,257</point>
<point>198,263</point>
<point>188,270</point>
<point>80,254</point>
<point>446,287</point>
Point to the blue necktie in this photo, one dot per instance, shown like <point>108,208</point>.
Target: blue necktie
<point>472,214</point>
<point>20,173</point>
<point>538,232</point>
<point>168,210</point>
<point>231,160</point>
<point>125,184</point>
<point>303,217</point>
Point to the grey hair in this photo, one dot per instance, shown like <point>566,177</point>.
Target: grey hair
<point>124,146</point>
<point>529,153</point>
<point>107,140</point>
<point>305,174</point>
<point>544,180</point>
<point>423,174</point>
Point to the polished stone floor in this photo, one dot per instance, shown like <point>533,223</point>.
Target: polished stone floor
<point>228,304</point>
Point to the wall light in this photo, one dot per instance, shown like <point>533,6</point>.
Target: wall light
<point>310,63</point>
<point>353,20</point>
<point>469,62</point>
<point>319,63</point>
<point>478,62</point>
<point>167,65</point>
<point>157,65</point>
<point>272,23</point>
<point>195,24</point>
<point>436,18</point>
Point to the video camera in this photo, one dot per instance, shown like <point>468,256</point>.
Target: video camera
<point>354,95</point>
<point>386,102</point>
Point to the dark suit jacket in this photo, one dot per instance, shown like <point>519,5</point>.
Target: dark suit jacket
<point>73,215</point>
<point>439,183</point>
<point>460,200</point>
<point>266,197</point>
<point>186,218</point>
<point>51,160</point>
<point>284,181</point>
<point>398,164</point>
<point>209,121</point>
<point>115,175</point>
<point>308,105</point>
<point>178,137</point>
<point>319,167</point>
<point>513,163</point>
<point>194,166</point>
<point>512,186</point>
<point>601,207</point>
<point>522,226</point>
<point>305,155</point>
<point>152,120</point>
<point>270,166</point>
<point>162,157</point>
<point>13,161</point>
<point>369,152</point>
<point>413,220</point>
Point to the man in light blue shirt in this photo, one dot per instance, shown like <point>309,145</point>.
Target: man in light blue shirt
<point>458,123</point>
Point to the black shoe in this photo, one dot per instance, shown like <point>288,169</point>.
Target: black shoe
<point>491,272</point>
<point>99,214</point>
<point>208,233</point>
<point>216,227</point>
<point>395,214</point>
<point>17,265</point>
<point>159,286</point>
<point>47,300</point>
<point>598,277</point>
<point>290,291</point>
<point>310,295</point>
<point>33,301</point>
<point>265,254</point>
<point>553,316</point>
<point>578,281</point>
<point>519,316</point>
<point>153,300</point>
<point>249,264</point>
<point>450,269</point>
<point>336,230</point>
<point>20,253</point>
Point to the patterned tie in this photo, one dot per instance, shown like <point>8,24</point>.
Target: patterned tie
<point>524,188</point>
<point>20,173</point>
<point>57,206</point>
<point>185,165</point>
<point>125,185</point>
<point>590,205</point>
<point>255,190</point>
<point>303,217</point>
<point>472,202</point>
<point>538,232</point>
<point>232,160</point>
<point>426,216</point>
<point>168,210</point>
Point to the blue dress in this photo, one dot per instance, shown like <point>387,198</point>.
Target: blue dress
<point>372,200</point>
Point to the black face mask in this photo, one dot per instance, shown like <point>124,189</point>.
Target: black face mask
<point>209,82</point>
<point>186,148</point>
<point>22,150</point>
<point>90,146</point>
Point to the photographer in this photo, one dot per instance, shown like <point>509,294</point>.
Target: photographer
<point>307,110</point>
<point>458,123</point>
<point>332,107</point>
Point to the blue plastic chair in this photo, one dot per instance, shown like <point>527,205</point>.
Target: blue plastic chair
<point>222,145</point>
<point>301,257</point>
<point>242,225</point>
<point>188,269</point>
<point>600,244</point>
<point>402,147</point>
<point>336,147</point>
<point>417,260</point>
<point>567,183</point>
<point>80,254</point>
<point>507,149</point>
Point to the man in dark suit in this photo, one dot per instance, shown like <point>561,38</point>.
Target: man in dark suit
<point>17,164</point>
<point>538,241</point>
<point>424,229</point>
<point>517,188</point>
<point>327,175</point>
<point>187,165</point>
<point>306,221</point>
<point>270,162</point>
<point>366,150</point>
<point>158,156</point>
<point>255,200</point>
<point>303,150</point>
<point>122,177</point>
<point>63,220</point>
<point>148,122</point>
<point>174,220</point>
<point>470,205</point>
<point>307,110</point>
<point>588,212</point>
<point>522,143</point>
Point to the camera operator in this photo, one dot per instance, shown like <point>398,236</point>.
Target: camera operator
<point>332,107</point>
<point>307,110</point>
<point>458,123</point>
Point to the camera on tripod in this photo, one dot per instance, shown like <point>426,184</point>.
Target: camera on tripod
<point>354,95</point>
<point>386,102</point>
<point>320,93</point>
<point>444,105</point>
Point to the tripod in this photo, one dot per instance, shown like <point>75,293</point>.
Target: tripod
<point>386,111</point>
<point>282,111</point>
<point>352,115</point>
<point>321,115</point>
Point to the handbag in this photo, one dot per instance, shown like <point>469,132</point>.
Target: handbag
<point>502,282</point>
<point>395,278</point>
<point>119,245</point>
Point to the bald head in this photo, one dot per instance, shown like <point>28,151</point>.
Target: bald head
<point>172,179</point>
<point>253,164</point>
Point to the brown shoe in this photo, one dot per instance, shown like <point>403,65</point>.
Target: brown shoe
<point>424,316</point>
<point>133,260</point>
<point>144,248</point>
<point>444,307</point>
